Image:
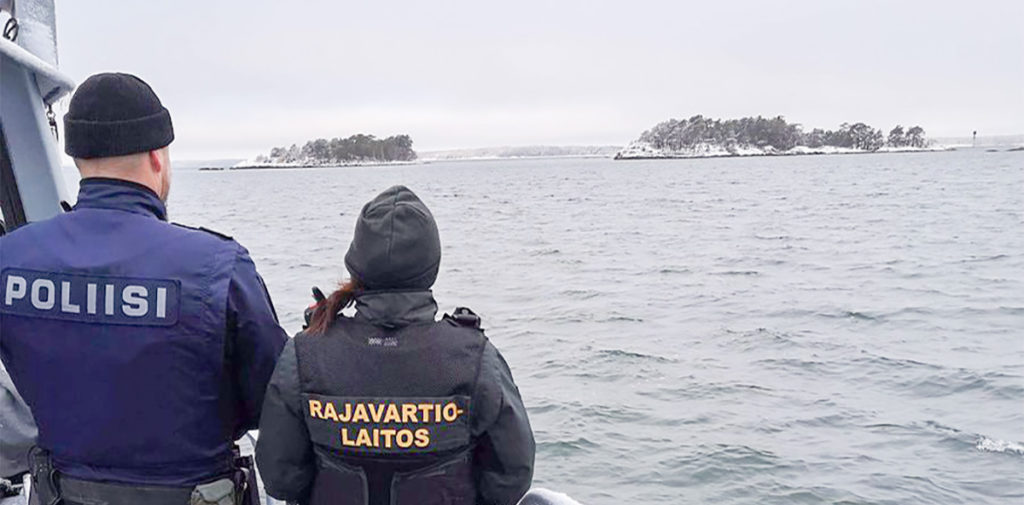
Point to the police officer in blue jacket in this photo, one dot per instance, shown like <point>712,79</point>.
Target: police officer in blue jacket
<point>143,348</point>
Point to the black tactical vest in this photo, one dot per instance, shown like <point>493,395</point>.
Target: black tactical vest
<point>390,411</point>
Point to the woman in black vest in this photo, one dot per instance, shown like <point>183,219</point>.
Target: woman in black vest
<point>390,406</point>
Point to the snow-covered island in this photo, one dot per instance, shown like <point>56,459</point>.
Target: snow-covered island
<point>356,150</point>
<point>700,137</point>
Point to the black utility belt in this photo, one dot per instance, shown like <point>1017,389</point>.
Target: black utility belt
<point>218,492</point>
<point>53,488</point>
<point>83,491</point>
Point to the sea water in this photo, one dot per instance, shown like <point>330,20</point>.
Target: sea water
<point>792,330</point>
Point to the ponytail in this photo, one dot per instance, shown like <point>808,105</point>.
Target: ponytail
<point>328,310</point>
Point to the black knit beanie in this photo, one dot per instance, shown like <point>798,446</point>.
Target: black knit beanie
<point>396,244</point>
<point>115,115</point>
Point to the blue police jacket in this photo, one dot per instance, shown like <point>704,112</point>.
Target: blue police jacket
<point>143,348</point>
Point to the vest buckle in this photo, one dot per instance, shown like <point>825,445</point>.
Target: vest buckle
<point>465,317</point>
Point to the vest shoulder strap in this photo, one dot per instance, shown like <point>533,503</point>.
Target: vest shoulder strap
<point>207,230</point>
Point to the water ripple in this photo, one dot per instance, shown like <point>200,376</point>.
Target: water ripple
<point>820,329</point>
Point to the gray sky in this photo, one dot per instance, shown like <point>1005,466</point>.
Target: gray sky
<point>243,76</point>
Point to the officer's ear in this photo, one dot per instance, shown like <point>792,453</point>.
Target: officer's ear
<point>156,162</point>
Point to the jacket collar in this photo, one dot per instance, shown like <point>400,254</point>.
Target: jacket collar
<point>395,309</point>
<point>117,194</point>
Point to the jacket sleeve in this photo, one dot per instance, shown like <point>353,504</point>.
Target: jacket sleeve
<point>284,452</point>
<point>255,339</point>
<point>505,446</point>
<point>17,429</point>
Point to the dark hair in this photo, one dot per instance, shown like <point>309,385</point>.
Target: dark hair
<point>327,311</point>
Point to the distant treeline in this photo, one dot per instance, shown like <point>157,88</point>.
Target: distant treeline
<point>357,148</point>
<point>776,133</point>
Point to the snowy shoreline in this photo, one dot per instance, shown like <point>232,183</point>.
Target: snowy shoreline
<point>501,158</point>
<point>249,165</point>
<point>426,159</point>
<point>635,151</point>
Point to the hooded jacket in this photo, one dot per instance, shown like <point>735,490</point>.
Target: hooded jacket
<point>393,356</point>
<point>503,453</point>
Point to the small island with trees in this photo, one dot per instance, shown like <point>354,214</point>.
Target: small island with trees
<point>357,149</point>
<point>700,137</point>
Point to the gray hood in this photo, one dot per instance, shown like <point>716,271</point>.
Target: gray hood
<point>396,244</point>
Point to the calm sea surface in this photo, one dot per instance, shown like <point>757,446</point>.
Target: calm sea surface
<point>829,329</point>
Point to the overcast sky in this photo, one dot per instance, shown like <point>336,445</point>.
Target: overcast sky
<point>243,76</point>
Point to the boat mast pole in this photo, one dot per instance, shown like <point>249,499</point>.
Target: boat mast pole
<point>32,184</point>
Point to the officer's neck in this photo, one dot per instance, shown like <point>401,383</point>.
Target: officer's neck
<point>135,168</point>
<point>120,194</point>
